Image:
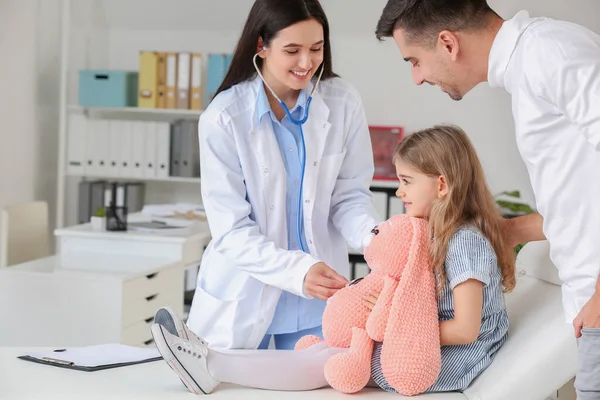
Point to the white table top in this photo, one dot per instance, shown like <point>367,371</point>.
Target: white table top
<point>100,264</point>
<point>198,229</point>
<point>25,380</point>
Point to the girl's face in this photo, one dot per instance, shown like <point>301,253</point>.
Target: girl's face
<point>417,190</point>
<point>293,56</point>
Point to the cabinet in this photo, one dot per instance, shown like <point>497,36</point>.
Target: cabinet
<point>87,298</point>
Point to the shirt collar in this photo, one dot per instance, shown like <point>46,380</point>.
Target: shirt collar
<point>504,45</point>
<point>263,107</point>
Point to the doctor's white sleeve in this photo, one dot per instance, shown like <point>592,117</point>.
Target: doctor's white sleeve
<point>352,209</point>
<point>235,235</point>
<point>576,86</point>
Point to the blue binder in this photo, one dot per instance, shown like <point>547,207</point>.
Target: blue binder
<point>218,65</point>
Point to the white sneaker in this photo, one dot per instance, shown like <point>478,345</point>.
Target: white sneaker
<point>166,317</point>
<point>186,358</point>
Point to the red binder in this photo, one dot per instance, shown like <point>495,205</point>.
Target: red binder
<point>384,140</point>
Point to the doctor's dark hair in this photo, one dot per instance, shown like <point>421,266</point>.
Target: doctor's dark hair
<point>446,151</point>
<point>266,19</point>
<point>423,20</point>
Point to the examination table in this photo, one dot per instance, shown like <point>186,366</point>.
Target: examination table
<point>537,359</point>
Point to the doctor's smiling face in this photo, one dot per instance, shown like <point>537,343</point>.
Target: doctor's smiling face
<point>293,56</point>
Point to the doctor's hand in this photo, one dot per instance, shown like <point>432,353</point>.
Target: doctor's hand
<point>589,316</point>
<point>322,282</point>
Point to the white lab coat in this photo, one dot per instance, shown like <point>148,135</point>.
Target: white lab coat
<point>552,70</point>
<point>246,265</point>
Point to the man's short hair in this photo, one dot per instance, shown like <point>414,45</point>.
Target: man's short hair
<point>423,20</point>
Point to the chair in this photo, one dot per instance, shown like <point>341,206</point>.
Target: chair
<point>24,233</point>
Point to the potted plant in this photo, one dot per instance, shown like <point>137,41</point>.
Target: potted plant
<point>512,209</point>
<point>98,220</point>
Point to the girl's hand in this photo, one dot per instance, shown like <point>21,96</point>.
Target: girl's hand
<point>370,300</point>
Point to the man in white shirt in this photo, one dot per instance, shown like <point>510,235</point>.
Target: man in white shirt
<point>552,71</point>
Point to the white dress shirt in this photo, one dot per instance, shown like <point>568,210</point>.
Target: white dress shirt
<point>552,70</point>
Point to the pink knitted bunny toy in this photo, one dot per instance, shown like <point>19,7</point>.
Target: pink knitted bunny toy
<point>405,317</point>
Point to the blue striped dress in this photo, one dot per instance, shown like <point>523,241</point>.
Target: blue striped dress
<point>469,256</point>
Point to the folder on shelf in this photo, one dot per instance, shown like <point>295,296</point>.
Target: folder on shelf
<point>76,156</point>
<point>215,74</point>
<point>91,198</point>
<point>95,358</point>
<point>138,153</point>
<point>163,133</point>
<point>196,82</point>
<point>183,81</point>
<point>175,149</point>
<point>189,165</point>
<point>148,84</point>
<point>171,80</point>
<point>150,150</point>
<point>161,78</point>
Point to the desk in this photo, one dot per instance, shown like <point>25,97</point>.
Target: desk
<point>24,380</point>
<point>185,245</point>
<point>86,298</point>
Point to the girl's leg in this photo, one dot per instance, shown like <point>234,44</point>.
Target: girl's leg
<point>287,341</point>
<point>272,369</point>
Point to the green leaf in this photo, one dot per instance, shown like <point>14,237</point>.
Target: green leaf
<point>514,193</point>
<point>515,207</point>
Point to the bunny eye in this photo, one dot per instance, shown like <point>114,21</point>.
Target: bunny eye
<point>375,231</point>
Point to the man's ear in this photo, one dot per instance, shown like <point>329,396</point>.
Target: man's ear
<point>442,187</point>
<point>448,41</point>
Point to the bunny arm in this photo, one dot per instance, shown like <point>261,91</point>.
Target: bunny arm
<point>378,319</point>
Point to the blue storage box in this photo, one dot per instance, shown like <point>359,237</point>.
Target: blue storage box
<point>106,88</point>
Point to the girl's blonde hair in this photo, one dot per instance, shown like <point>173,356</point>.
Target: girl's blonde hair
<point>446,151</point>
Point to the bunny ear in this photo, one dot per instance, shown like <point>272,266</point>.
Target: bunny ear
<point>410,355</point>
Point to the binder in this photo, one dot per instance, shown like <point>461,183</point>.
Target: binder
<point>126,168</point>
<point>161,77</point>
<point>134,196</point>
<point>95,358</point>
<point>171,82</point>
<point>115,134</point>
<point>91,198</point>
<point>175,149</point>
<point>189,166</point>
<point>215,75</point>
<point>147,82</point>
<point>76,144</point>
<point>183,81</point>
<point>163,133</point>
<point>150,150</point>
<point>139,149</point>
<point>196,82</point>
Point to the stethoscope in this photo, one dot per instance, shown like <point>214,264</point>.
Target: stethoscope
<point>298,122</point>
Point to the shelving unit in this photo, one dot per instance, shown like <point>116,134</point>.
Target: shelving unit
<point>135,112</point>
<point>108,34</point>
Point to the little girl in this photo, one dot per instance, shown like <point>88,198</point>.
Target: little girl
<point>441,180</point>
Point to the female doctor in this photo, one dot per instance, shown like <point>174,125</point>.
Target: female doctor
<point>283,199</point>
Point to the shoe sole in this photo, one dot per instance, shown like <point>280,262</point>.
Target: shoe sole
<point>165,317</point>
<point>168,355</point>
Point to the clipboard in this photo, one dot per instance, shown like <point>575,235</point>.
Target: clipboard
<point>94,358</point>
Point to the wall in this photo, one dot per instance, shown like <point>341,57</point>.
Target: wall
<point>30,48</point>
<point>376,69</point>
<point>29,31</point>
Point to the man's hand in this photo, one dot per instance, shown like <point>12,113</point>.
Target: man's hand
<point>589,316</point>
<point>527,228</point>
<point>322,282</point>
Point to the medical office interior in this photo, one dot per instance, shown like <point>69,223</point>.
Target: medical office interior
<point>102,219</point>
